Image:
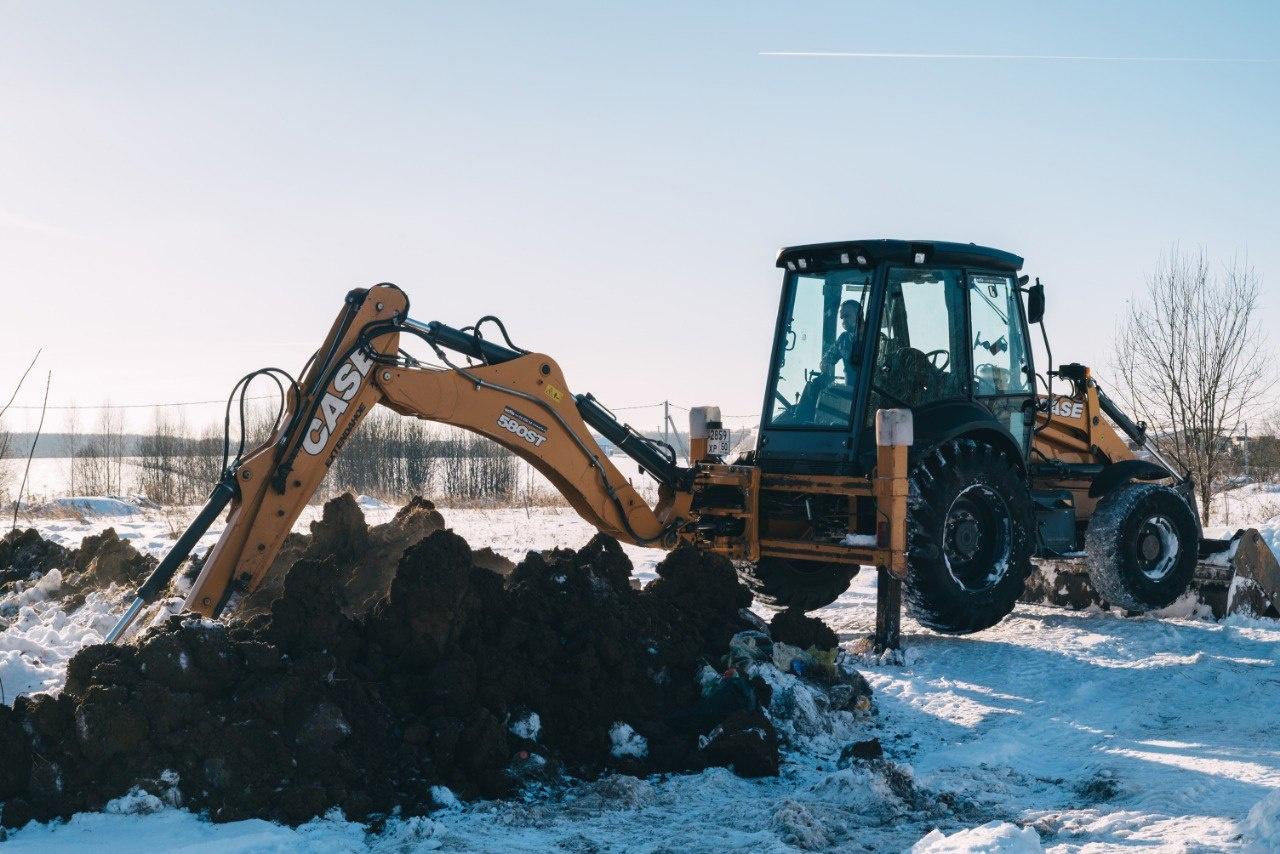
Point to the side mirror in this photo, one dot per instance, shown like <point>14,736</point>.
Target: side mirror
<point>1035,303</point>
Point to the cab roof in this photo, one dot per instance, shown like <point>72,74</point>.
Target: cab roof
<point>846,253</point>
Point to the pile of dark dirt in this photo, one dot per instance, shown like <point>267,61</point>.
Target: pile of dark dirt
<point>455,676</point>
<point>101,561</point>
<point>24,553</point>
<point>800,630</point>
<point>365,557</point>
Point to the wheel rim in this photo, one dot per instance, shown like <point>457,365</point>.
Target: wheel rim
<point>1158,547</point>
<point>975,538</point>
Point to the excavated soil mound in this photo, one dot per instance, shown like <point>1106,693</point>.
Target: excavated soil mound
<point>365,557</point>
<point>23,553</point>
<point>456,676</point>
<point>800,630</point>
<point>101,561</point>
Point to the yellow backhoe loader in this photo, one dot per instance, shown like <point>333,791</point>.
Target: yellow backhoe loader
<point>904,427</point>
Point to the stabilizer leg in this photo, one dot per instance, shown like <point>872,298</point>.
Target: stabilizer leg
<point>894,437</point>
<point>888,612</point>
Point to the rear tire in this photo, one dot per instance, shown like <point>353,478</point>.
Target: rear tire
<point>799,584</point>
<point>970,529</point>
<point>1142,544</point>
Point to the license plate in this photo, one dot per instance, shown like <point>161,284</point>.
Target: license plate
<point>718,443</point>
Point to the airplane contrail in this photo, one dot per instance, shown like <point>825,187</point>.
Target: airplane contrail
<point>840,54</point>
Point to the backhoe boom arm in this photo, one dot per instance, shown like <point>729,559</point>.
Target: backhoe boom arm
<point>518,399</point>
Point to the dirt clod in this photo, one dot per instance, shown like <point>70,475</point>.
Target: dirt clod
<point>746,742</point>
<point>800,630</point>
<point>25,552</point>
<point>869,749</point>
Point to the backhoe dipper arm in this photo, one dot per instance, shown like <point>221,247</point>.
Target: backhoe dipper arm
<point>516,398</point>
<point>524,405</point>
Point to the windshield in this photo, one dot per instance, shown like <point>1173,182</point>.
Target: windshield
<point>819,350</point>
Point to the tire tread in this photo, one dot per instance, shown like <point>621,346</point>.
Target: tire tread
<point>932,596</point>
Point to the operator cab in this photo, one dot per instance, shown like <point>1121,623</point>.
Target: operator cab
<point>938,328</point>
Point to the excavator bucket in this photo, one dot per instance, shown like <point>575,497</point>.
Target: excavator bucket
<point>1238,575</point>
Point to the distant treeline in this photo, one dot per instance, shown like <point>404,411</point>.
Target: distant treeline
<point>388,456</point>
<point>62,444</point>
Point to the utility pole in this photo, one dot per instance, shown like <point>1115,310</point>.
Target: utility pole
<point>669,429</point>
<point>1246,450</point>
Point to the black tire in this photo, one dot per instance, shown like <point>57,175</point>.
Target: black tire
<point>1142,544</point>
<point>800,584</point>
<point>970,533</point>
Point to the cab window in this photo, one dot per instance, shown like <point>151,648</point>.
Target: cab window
<point>819,349</point>
<point>921,351</point>
<point>998,349</point>
<point>1001,378</point>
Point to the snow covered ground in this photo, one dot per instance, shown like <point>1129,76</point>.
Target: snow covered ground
<point>1055,730</point>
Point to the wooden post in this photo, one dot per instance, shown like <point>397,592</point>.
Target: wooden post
<point>894,431</point>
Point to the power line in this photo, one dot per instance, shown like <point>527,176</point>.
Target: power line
<point>147,405</point>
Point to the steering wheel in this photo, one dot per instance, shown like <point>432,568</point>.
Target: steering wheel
<point>933,355</point>
<point>913,364</point>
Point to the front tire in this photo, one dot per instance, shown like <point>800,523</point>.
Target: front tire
<point>970,531</point>
<point>1142,544</point>
<point>799,584</point>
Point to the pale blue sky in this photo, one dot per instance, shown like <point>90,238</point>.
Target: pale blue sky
<point>187,189</point>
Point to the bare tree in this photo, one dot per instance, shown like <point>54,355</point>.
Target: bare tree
<point>5,441</point>
<point>71,425</point>
<point>5,437</point>
<point>1191,361</point>
<point>26,472</point>
<point>1264,449</point>
<point>98,464</point>
<point>474,468</point>
<point>160,453</point>
<point>201,466</point>
<point>389,456</point>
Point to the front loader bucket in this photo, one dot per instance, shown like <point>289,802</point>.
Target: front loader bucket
<point>1254,573</point>
<point>1239,575</point>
